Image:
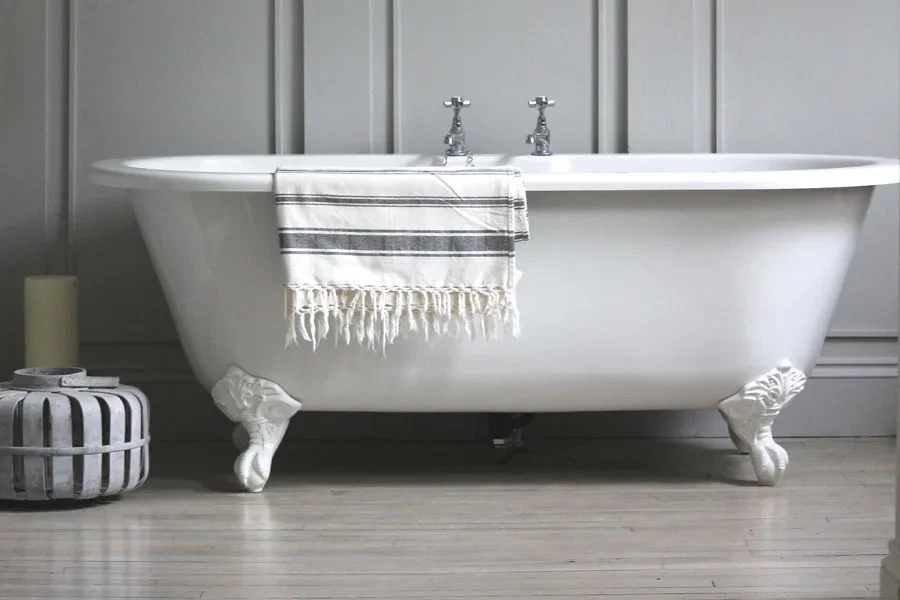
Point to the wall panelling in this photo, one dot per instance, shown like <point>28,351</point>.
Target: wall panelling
<point>88,79</point>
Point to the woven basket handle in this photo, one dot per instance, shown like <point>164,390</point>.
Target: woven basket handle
<point>44,378</point>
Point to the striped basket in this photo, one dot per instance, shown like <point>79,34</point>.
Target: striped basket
<point>64,435</point>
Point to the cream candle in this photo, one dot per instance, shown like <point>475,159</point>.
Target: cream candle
<point>51,321</point>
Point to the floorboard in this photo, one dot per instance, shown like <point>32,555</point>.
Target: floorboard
<point>665,519</point>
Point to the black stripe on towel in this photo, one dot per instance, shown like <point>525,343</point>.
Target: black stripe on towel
<point>353,231</point>
<point>417,171</point>
<point>318,199</point>
<point>376,253</point>
<point>338,242</point>
<point>370,197</point>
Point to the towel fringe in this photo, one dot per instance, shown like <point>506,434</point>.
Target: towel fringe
<point>381,315</point>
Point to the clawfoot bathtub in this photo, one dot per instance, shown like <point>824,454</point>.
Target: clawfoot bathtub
<point>650,282</point>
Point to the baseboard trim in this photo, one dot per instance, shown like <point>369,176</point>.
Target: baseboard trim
<point>890,573</point>
<point>138,362</point>
<point>880,367</point>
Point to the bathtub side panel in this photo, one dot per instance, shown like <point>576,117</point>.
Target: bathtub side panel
<point>628,300</point>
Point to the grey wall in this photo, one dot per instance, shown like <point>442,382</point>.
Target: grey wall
<point>89,79</point>
<point>32,157</point>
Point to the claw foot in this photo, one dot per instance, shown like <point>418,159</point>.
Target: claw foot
<point>262,410</point>
<point>769,461</point>
<point>254,465</point>
<point>751,412</point>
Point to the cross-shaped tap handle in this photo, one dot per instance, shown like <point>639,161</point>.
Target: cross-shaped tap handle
<point>541,101</point>
<point>457,102</point>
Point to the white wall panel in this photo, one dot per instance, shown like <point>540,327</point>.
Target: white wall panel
<point>671,76</point>
<point>347,65</point>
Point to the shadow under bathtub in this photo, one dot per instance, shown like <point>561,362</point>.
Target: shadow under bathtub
<point>207,466</point>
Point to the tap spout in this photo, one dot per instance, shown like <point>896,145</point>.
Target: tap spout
<point>540,137</point>
<point>455,139</point>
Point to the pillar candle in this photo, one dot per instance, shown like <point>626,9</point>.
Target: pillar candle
<point>51,321</point>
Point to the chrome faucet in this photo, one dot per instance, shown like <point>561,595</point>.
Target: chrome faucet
<point>456,137</point>
<point>540,137</point>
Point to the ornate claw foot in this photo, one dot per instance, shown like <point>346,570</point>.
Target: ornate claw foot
<point>263,410</point>
<point>751,412</point>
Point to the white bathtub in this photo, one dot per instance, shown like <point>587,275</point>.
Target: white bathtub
<point>650,282</point>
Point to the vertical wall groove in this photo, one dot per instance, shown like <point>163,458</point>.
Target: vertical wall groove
<point>276,72</point>
<point>300,84</point>
<point>719,87</point>
<point>396,95</point>
<point>611,52</point>
<point>287,76</point>
<point>52,215</point>
<point>622,113</point>
<point>72,145</point>
<point>600,77</point>
<point>370,7</point>
<point>714,74</point>
<point>55,155</point>
<point>704,75</point>
<point>391,74</point>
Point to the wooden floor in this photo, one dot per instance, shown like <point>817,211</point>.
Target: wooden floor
<point>650,520</point>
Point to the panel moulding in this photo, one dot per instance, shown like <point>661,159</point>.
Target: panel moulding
<point>56,146</point>
<point>165,362</point>
<point>396,83</point>
<point>72,140</point>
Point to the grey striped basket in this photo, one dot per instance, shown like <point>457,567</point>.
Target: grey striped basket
<point>64,435</point>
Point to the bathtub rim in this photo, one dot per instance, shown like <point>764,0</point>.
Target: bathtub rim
<point>856,171</point>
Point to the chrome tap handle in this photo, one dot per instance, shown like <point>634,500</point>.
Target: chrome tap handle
<point>456,137</point>
<point>541,101</point>
<point>457,102</point>
<point>540,137</point>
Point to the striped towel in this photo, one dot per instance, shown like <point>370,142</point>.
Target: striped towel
<point>375,254</point>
